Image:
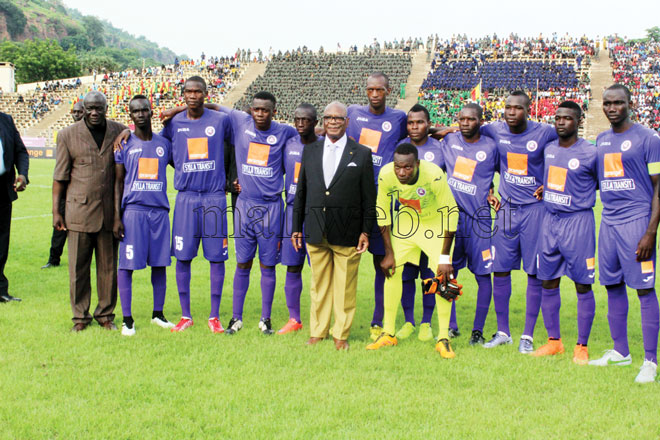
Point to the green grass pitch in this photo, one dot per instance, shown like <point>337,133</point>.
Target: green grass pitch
<point>96,384</point>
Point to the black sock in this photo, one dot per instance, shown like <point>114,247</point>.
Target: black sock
<point>128,320</point>
<point>158,314</point>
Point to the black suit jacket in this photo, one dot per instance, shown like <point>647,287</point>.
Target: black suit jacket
<point>15,155</point>
<point>345,209</point>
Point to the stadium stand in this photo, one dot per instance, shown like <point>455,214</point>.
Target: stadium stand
<point>296,77</point>
<point>637,66</point>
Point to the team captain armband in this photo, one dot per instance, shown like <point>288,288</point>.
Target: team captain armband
<point>654,168</point>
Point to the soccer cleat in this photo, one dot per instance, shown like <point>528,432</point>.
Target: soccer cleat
<point>425,332</point>
<point>234,326</point>
<point>581,355</point>
<point>291,326</point>
<point>554,346</point>
<point>126,330</point>
<point>405,331</point>
<point>383,340</point>
<point>375,331</point>
<point>499,338</point>
<point>526,345</point>
<point>215,325</point>
<point>612,358</point>
<point>477,338</point>
<point>647,372</point>
<point>182,325</point>
<point>454,333</point>
<point>265,326</point>
<point>444,348</point>
<point>162,322</point>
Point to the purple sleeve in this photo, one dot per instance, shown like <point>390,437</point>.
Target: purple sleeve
<point>652,153</point>
<point>119,155</point>
<point>404,127</point>
<point>166,132</point>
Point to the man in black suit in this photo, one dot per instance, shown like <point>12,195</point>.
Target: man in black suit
<point>14,158</point>
<point>335,201</point>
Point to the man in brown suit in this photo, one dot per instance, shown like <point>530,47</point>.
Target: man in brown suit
<point>84,174</point>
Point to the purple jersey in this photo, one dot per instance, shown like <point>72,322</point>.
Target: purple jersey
<point>521,159</point>
<point>625,161</point>
<point>430,151</point>
<point>198,151</point>
<point>146,163</point>
<point>570,177</point>
<point>470,169</point>
<point>292,159</point>
<point>381,133</point>
<point>259,156</point>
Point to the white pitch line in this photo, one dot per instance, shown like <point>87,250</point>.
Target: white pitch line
<point>31,216</point>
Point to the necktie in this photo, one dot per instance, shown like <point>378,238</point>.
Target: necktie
<point>329,164</point>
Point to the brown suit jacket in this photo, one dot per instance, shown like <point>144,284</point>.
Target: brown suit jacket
<point>90,176</point>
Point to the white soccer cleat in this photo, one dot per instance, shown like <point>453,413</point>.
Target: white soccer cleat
<point>499,338</point>
<point>647,372</point>
<point>160,323</point>
<point>126,330</point>
<point>526,345</point>
<point>612,358</point>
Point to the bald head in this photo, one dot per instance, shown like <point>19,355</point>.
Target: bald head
<point>77,111</point>
<point>95,108</point>
<point>336,106</point>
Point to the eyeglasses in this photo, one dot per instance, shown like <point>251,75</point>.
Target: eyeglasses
<point>334,118</point>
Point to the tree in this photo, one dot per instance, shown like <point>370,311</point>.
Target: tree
<point>79,42</point>
<point>653,34</point>
<point>95,30</point>
<point>14,17</point>
<point>44,60</point>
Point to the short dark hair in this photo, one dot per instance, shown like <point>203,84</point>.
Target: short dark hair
<point>573,106</point>
<point>621,87</point>
<point>420,108</point>
<point>308,106</point>
<point>138,97</point>
<point>379,74</point>
<point>521,94</point>
<point>266,96</point>
<point>476,107</point>
<point>406,149</point>
<point>197,79</point>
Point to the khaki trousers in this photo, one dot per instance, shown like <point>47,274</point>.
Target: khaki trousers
<point>81,247</point>
<point>334,279</point>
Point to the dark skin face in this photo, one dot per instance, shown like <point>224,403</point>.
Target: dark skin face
<point>335,122</point>
<point>377,92</point>
<point>140,113</point>
<point>262,111</point>
<point>616,107</point>
<point>516,111</point>
<point>194,94</point>
<point>406,168</point>
<point>418,128</point>
<point>95,109</point>
<point>566,125</point>
<point>469,123</point>
<point>305,121</point>
<point>78,111</point>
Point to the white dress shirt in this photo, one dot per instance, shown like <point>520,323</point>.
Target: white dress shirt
<point>331,156</point>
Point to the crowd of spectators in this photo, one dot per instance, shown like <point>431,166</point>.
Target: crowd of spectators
<point>637,66</point>
<point>322,78</point>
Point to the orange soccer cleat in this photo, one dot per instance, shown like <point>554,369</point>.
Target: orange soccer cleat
<point>291,326</point>
<point>554,346</point>
<point>581,355</point>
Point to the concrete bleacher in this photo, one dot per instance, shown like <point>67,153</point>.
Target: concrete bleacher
<point>322,78</point>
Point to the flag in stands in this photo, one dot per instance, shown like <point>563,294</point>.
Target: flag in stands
<point>475,93</point>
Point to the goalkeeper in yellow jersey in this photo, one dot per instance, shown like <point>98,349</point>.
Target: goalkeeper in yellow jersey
<point>416,212</point>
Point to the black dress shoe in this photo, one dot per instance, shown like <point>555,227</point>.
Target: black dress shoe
<point>7,297</point>
<point>49,265</point>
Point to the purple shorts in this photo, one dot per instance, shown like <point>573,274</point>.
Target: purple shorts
<point>472,246</point>
<point>200,216</point>
<point>146,238</point>
<point>258,223</point>
<point>516,236</point>
<point>568,247</point>
<point>289,255</point>
<point>412,272</point>
<point>617,261</point>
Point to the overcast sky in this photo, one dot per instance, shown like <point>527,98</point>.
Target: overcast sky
<point>220,27</point>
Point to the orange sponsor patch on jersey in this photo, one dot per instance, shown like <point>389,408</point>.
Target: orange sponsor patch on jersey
<point>647,266</point>
<point>225,242</point>
<point>258,154</point>
<point>296,172</point>
<point>148,168</point>
<point>198,148</point>
<point>557,178</point>
<point>517,163</point>
<point>591,263</point>
<point>485,255</point>
<point>414,203</point>
<point>370,138</point>
<point>613,166</point>
<point>464,168</point>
